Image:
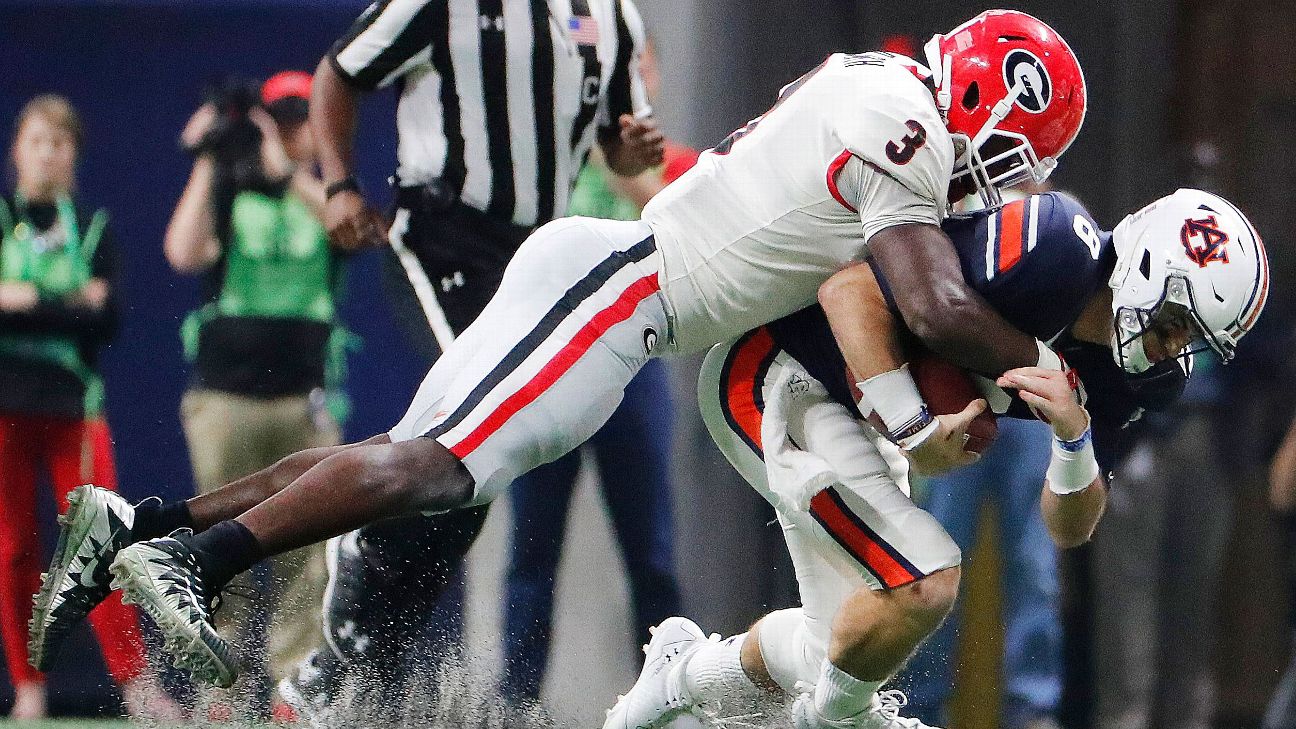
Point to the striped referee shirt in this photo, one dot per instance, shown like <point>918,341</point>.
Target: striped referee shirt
<point>502,99</point>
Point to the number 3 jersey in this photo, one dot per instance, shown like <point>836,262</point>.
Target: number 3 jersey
<point>751,232</point>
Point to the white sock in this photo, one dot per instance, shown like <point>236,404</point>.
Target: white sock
<point>839,695</point>
<point>714,672</point>
<point>791,654</point>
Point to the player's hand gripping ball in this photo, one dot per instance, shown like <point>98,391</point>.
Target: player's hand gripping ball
<point>948,390</point>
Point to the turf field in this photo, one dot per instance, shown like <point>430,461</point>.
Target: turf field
<point>67,724</point>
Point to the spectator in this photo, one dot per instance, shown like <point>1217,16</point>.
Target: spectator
<point>1158,559</point>
<point>485,155</point>
<point>249,221</point>
<point>58,305</point>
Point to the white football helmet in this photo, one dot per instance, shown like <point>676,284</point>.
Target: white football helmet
<point>1191,257</point>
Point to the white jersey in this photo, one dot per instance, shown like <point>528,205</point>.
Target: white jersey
<point>751,232</point>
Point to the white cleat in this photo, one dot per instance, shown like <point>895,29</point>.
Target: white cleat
<point>657,697</point>
<point>883,713</point>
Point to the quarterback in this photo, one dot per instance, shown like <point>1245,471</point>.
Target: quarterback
<point>858,158</point>
<point>1127,310</point>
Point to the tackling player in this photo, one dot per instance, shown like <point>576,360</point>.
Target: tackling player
<point>877,574</point>
<point>859,156</point>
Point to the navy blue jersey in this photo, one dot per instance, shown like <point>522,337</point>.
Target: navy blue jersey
<point>1037,262</point>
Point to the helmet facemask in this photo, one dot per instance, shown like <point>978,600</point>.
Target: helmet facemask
<point>1175,310</point>
<point>1009,159</point>
<point>993,158</point>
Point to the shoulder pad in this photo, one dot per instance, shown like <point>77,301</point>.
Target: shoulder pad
<point>886,115</point>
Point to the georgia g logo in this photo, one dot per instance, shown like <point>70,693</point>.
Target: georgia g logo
<point>1212,241</point>
<point>649,340</point>
<point>1022,66</point>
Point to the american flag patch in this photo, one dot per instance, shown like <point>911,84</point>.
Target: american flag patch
<point>584,30</point>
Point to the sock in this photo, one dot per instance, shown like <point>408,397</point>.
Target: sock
<point>714,672</point>
<point>792,655</point>
<point>155,519</point>
<point>839,695</point>
<point>224,551</point>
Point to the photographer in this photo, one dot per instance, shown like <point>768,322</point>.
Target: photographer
<point>249,220</point>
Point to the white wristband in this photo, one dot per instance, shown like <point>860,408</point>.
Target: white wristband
<point>1073,466</point>
<point>895,398</point>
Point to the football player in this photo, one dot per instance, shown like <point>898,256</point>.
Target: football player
<point>860,154</point>
<point>876,573</point>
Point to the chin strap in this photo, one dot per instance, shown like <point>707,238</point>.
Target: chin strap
<point>939,64</point>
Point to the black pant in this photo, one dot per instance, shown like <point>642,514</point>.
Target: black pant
<point>385,588</point>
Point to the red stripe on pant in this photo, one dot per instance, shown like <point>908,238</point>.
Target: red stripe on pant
<point>861,546</point>
<point>740,385</point>
<point>620,310</point>
<point>73,453</point>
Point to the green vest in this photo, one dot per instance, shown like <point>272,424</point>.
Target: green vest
<point>58,263</point>
<point>278,265</point>
<point>593,197</point>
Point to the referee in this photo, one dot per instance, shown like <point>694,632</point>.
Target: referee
<point>500,103</point>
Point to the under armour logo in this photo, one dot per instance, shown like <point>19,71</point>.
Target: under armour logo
<point>488,23</point>
<point>453,281</point>
<point>348,632</point>
<point>798,385</point>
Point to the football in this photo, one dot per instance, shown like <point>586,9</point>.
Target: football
<point>947,390</point>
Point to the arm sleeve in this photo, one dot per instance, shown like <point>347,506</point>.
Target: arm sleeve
<point>626,92</point>
<point>387,40</point>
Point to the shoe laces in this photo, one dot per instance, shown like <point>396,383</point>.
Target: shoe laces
<point>890,702</point>
<point>242,592</point>
<point>147,500</point>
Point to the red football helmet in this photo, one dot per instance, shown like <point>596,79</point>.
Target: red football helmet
<point>1013,96</point>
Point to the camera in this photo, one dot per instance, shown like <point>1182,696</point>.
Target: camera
<point>234,141</point>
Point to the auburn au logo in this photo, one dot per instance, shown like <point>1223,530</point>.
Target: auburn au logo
<point>1211,238</point>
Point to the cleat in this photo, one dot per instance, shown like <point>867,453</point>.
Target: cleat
<point>883,713</point>
<point>657,698</point>
<point>162,577</point>
<point>95,528</point>
<point>314,690</point>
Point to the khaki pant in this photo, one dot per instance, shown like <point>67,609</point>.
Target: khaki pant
<point>231,436</point>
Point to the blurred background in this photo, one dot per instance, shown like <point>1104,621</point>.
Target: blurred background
<point>1189,93</point>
